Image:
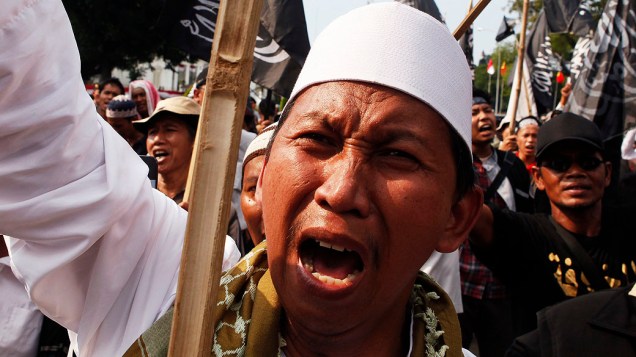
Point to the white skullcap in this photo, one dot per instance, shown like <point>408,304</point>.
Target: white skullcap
<point>258,146</point>
<point>400,47</point>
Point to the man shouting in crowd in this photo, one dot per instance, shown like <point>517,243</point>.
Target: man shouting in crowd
<point>368,173</point>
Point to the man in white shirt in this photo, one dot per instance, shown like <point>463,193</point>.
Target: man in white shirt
<point>99,249</point>
<point>363,147</point>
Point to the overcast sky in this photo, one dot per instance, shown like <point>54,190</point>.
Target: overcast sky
<point>320,13</point>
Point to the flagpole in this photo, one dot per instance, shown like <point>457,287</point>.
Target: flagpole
<point>497,86</point>
<point>214,159</point>
<point>556,87</point>
<point>519,69</point>
<point>470,18</point>
<point>503,86</point>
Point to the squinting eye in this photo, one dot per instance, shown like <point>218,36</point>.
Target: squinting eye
<point>399,159</point>
<point>316,137</point>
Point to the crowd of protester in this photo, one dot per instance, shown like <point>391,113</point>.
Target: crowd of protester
<point>548,267</point>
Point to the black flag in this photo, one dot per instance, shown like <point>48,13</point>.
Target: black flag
<point>583,22</point>
<point>605,90</point>
<point>536,97</point>
<point>466,43</point>
<point>569,16</point>
<point>506,29</point>
<point>538,58</point>
<point>281,47</point>
<point>196,26</point>
<point>427,6</point>
<point>579,54</point>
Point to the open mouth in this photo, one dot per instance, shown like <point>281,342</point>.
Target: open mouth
<point>330,263</point>
<point>486,127</point>
<point>159,154</point>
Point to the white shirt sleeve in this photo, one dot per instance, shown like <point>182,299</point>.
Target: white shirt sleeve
<point>628,152</point>
<point>444,268</point>
<point>20,320</point>
<point>99,249</point>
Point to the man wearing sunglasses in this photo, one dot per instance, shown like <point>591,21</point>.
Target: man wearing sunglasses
<point>580,247</point>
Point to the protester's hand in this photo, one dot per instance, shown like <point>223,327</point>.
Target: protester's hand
<point>628,146</point>
<point>565,93</point>
<point>509,143</point>
<point>184,205</point>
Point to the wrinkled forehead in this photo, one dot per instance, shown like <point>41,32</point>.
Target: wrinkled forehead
<point>399,47</point>
<point>359,100</point>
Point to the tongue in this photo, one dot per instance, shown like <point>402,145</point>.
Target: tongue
<point>334,263</point>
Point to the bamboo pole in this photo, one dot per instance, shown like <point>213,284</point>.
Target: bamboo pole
<point>470,18</point>
<point>214,159</point>
<point>519,69</point>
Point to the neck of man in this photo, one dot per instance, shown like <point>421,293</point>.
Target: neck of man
<point>386,336</point>
<point>527,159</point>
<point>101,111</point>
<point>585,221</point>
<point>172,183</point>
<point>482,150</point>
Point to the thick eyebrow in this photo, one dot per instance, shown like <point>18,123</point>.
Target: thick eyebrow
<point>390,136</point>
<point>251,179</point>
<point>317,117</point>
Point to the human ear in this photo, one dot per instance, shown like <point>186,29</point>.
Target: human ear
<point>463,216</point>
<point>538,178</point>
<point>259,185</point>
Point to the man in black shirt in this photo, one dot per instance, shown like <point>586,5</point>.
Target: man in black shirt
<point>531,253</point>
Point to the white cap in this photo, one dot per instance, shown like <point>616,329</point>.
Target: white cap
<point>258,146</point>
<point>400,47</point>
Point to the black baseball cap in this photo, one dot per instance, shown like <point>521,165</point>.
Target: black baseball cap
<point>568,127</point>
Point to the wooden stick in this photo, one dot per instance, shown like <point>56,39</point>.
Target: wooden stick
<point>214,160</point>
<point>519,70</point>
<point>470,18</point>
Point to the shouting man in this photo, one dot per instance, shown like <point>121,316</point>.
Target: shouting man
<point>368,173</point>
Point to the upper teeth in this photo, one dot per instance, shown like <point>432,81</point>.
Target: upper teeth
<point>331,246</point>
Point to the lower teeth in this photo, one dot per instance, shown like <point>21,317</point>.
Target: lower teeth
<point>335,281</point>
<point>309,266</point>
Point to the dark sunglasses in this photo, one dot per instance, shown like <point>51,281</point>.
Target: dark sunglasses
<point>561,165</point>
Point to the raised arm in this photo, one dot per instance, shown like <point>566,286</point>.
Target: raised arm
<point>482,234</point>
<point>98,249</point>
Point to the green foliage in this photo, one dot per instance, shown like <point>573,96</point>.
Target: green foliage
<point>535,7</point>
<point>122,33</point>
<point>504,52</point>
<point>563,45</point>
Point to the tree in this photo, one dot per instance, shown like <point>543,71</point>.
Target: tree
<point>123,33</point>
<point>507,52</point>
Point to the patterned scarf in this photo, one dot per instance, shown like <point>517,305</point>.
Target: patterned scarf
<point>247,317</point>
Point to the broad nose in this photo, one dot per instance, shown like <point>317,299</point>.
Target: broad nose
<point>483,115</point>
<point>345,187</point>
<point>575,170</point>
<point>156,137</point>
